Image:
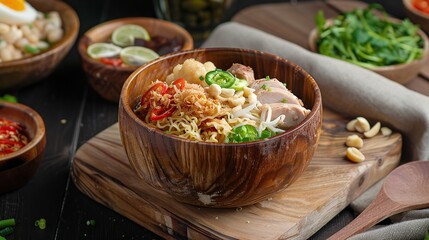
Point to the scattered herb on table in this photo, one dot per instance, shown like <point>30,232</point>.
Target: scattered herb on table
<point>368,39</point>
<point>40,223</point>
<point>6,227</point>
<point>8,98</point>
<point>90,222</point>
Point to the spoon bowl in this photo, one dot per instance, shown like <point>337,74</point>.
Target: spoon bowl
<point>402,190</point>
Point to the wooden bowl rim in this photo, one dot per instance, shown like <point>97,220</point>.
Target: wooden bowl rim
<point>39,125</point>
<point>187,44</point>
<point>124,101</point>
<point>68,38</point>
<point>313,37</point>
<point>407,4</point>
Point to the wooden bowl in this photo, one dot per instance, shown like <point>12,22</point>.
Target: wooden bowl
<point>416,16</point>
<point>23,72</point>
<point>17,168</point>
<point>107,80</point>
<point>220,174</point>
<point>400,73</point>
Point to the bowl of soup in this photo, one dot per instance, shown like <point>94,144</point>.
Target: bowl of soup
<point>112,50</point>
<point>220,127</point>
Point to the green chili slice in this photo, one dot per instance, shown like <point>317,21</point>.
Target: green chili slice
<point>222,78</point>
<point>239,84</point>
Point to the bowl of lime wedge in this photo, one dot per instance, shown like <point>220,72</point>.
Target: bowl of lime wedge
<point>112,50</point>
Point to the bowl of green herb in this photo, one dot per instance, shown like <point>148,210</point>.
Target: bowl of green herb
<point>396,49</point>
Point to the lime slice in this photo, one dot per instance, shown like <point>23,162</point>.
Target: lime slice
<point>124,35</point>
<point>136,56</point>
<point>100,50</point>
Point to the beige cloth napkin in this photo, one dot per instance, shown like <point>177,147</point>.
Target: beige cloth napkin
<point>353,91</point>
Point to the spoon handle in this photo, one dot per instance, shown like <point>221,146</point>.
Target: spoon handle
<point>380,208</point>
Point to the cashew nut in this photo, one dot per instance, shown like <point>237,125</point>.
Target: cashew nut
<point>354,141</point>
<point>386,131</point>
<point>354,155</point>
<point>351,125</point>
<point>373,131</point>
<point>362,125</point>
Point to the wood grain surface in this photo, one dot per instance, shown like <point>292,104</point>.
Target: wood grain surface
<point>101,171</point>
<point>100,168</point>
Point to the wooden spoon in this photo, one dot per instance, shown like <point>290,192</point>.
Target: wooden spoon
<point>405,188</point>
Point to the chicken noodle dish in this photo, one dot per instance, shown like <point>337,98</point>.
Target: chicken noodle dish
<point>200,102</point>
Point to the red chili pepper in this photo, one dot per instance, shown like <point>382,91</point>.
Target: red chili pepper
<point>179,83</point>
<point>7,128</point>
<point>421,5</point>
<point>160,113</point>
<point>111,61</point>
<point>158,87</point>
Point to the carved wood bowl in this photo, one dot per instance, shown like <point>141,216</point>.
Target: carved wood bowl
<point>17,168</point>
<point>107,80</point>
<point>26,71</point>
<point>220,175</point>
<point>416,16</point>
<point>400,73</point>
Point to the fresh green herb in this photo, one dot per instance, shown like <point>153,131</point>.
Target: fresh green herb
<point>269,89</point>
<point>40,223</point>
<point>264,86</point>
<point>267,78</point>
<point>8,98</point>
<point>30,49</point>
<point>247,133</point>
<point>6,231</point>
<point>201,78</point>
<point>284,100</point>
<point>367,39</point>
<point>7,222</point>
<point>90,222</point>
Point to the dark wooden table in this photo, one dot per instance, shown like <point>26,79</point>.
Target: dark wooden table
<point>74,113</point>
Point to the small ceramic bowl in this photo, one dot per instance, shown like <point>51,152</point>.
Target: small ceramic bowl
<point>107,80</point>
<point>17,168</point>
<point>23,72</point>
<point>400,73</point>
<point>220,175</point>
<point>416,16</point>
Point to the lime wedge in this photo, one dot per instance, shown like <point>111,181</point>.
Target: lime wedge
<point>100,50</point>
<point>136,56</point>
<point>124,35</point>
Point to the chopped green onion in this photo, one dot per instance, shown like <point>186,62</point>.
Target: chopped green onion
<point>284,100</point>
<point>30,49</point>
<point>201,78</point>
<point>267,78</point>
<point>90,222</point>
<point>264,86</point>
<point>8,98</point>
<point>41,223</point>
<point>7,222</point>
<point>6,231</point>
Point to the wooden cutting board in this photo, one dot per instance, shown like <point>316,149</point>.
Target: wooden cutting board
<point>101,169</point>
